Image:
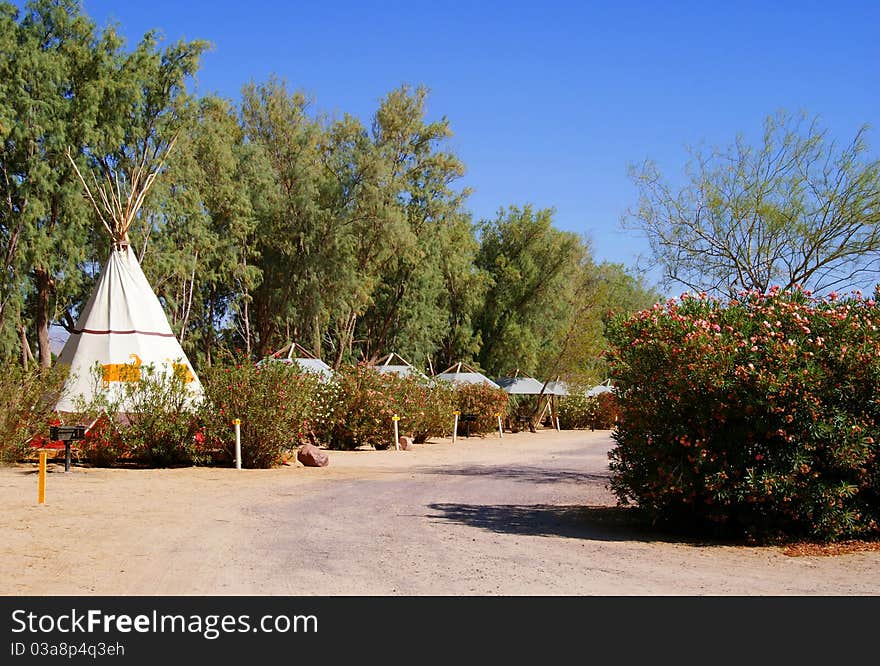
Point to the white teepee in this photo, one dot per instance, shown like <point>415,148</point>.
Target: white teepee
<point>123,327</point>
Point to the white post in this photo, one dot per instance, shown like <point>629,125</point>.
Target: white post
<point>500,428</point>
<point>455,427</point>
<point>237,424</point>
<point>396,418</point>
<point>558,429</point>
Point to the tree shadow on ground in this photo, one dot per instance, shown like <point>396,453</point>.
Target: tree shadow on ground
<point>594,523</point>
<point>527,474</point>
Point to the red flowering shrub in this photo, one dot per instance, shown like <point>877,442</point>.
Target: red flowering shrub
<point>484,402</point>
<point>758,416</point>
<point>151,421</point>
<point>365,402</point>
<point>103,444</point>
<point>273,401</point>
<point>605,411</point>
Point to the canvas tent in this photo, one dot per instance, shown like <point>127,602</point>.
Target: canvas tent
<point>520,385</point>
<point>557,387</point>
<point>122,329</point>
<point>404,368</point>
<point>455,375</point>
<point>604,387</point>
<point>304,359</point>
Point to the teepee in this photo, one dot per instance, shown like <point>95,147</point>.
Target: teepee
<point>122,328</point>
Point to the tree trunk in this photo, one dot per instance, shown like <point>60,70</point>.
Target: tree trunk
<point>209,329</point>
<point>25,347</point>
<point>41,318</point>
<point>316,337</point>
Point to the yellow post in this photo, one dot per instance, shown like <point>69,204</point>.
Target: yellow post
<point>455,425</point>
<point>396,418</point>
<point>41,484</point>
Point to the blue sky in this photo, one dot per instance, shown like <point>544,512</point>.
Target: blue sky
<point>550,101</point>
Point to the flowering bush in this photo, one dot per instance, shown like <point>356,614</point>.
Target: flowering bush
<point>103,444</point>
<point>758,416</point>
<point>274,403</point>
<point>576,410</point>
<point>365,401</point>
<point>152,421</point>
<point>27,401</point>
<point>484,402</point>
<point>605,412</point>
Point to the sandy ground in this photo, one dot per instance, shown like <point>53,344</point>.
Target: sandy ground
<point>524,515</point>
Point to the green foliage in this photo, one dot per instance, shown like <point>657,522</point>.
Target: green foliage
<point>274,402</point>
<point>365,400</point>
<point>756,416</point>
<point>103,444</point>
<point>531,268</point>
<point>484,402</point>
<point>152,421</point>
<point>27,400</point>
<point>795,209</point>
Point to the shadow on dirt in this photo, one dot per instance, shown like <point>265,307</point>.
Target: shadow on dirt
<point>596,523</point>
<point>527,474</point>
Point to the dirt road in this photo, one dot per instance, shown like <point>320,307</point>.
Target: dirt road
<point>528,514</point>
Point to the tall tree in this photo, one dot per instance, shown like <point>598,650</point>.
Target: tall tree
<point>54,62</point>
<point>286,201</point>
<point>408,312</point>
<point>532,267</point>
<point>199,229</point>
<point>794,210</point>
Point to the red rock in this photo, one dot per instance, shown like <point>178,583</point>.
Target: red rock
<point>406,443</point>
<point>311,456</point>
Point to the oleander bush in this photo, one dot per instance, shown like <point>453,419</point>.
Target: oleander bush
<point>153,422</point>
<point>27,401</point>
<point>364,402</point>
<point>484,402</point>
<point>757,416</point>
<point>274,402</point>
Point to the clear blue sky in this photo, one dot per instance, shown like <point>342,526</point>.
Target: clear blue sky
<point>550,101</point>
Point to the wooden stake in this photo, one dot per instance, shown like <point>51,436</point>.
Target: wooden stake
<point>41,484</point>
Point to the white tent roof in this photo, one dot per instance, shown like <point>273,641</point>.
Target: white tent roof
<point>314,365</point>
<point>557,388</point>
<point>599,389</point>
<point>456,376</point>
<point>404,369</point>
<point>122,328</point>
<point>521,385</point>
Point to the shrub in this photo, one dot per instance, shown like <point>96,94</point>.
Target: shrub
<point>576,410</point>
<point>758,416</point>
<point>274,403</point>
<point>605,411</point>
<point>27,403</point>
<point>103,444</point>
<point>363,402</point>
<point>439,407</point>
<point>152,421</point>
<point>484,402</point>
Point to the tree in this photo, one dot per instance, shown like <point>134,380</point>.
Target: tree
<point>54,64</point>
<point>794,210</point>
<point>199,226</point>
<point>408,312</point>
<point>603,290</point>
<point>532,267</point>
